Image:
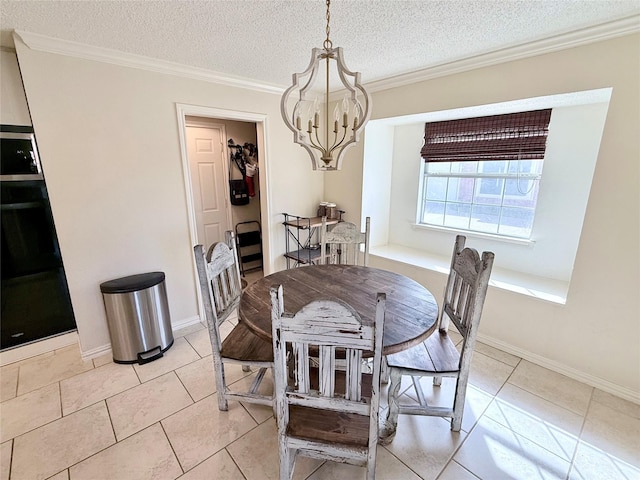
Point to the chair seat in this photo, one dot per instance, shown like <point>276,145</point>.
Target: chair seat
<point>242,344</point>
<point>328,426</point>
<point>436,354</point>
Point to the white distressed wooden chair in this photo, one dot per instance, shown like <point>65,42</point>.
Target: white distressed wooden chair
<point>437,356</point>
<point>219,278</point>
<point>324,412</point>
<point>341,245</point>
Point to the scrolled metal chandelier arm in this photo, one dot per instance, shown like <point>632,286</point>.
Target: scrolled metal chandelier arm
<point>350,116</point>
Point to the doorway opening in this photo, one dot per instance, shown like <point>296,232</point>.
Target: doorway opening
<point>217,145</point>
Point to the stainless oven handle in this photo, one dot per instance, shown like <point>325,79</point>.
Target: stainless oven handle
<point>21,178</point>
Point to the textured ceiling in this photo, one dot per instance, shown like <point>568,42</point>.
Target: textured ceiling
<point>269,40</point>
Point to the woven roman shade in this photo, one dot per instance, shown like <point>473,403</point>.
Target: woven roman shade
<point>514,136</point>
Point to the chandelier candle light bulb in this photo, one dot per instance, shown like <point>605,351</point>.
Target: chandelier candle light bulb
<point>328,153</point>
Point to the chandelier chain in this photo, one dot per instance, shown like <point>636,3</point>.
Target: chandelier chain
<point>327,43</point>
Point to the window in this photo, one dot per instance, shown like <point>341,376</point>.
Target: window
<point>490,196</point>
<point>482,174</point>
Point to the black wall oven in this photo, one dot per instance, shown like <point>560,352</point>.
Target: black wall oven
<point>33,288</point>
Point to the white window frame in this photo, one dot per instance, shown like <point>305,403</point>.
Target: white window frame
<point>422,197</point>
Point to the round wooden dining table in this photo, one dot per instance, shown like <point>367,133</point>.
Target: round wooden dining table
<point>410,315</point>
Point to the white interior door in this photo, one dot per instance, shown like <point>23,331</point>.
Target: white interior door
<point>208,183</point>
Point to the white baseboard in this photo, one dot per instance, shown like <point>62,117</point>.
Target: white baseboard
<point>38,348</point>
<point>557,367</point>
<point>104,349</point>
<point>96,352</point>
<point>186,322</point>
<point>54,343</point>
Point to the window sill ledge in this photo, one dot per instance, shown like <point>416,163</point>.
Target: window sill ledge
<point>471,233</point>
<point>546,289</point>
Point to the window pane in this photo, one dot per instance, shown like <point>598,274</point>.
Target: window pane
<point>525,167</point>
<point>485,218</point>
<point>457,215</point>
<point>436,188</point>
<point>460,190</point>
<point>516,222</point>
<point>520,192</point>
<point>493,166</point>
<point>488,191</point>
<point>464,167</point>
<point>433,213</point>
<point>438,167</point>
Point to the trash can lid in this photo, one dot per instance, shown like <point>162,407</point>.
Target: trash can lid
<point>132,283</point>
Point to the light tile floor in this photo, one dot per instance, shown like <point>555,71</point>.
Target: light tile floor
<point>64,418</point>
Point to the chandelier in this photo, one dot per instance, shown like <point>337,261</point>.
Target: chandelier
<point>326,137</point>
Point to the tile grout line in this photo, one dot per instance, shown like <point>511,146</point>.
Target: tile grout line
<point>233,459</point>
<point>553,403</point>
<point>548,400</point>
<point>475,425</point>
<point>450,459</point>
<point>68,468</point>
<point>456,450</point>
<point>11,457</point>
<point>313,472</point>
<point>584,421</point>
<point>183,385</point>
<point>173,450</point>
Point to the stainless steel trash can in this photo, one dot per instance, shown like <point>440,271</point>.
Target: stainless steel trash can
<point>138,317</point>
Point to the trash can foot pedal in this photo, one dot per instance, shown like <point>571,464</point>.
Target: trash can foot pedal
<point>146,357</point>
<point>150,355</point>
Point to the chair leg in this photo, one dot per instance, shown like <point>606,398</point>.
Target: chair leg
<point>221,385</point>
<point>437,381</point>
<point>384,371</point>
<point>388,431</point>
<point>458,405</point>
<point>287,460</point>
<point>371,472</point>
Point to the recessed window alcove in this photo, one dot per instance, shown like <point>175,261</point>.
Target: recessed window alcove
<point>540,267</point>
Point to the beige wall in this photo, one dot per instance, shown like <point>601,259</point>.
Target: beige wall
<point>596,335</point>
<point>109,143</point>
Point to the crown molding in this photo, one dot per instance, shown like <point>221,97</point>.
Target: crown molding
<point>47,44</point>
<point>571,39</point>
<point>575,38</point>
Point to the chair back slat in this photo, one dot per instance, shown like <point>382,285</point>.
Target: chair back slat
<point>342,244</point>
<point>223,273</point>
<point>301,369</point>
<point>219,278</point>
<point>353,387</point>
<point>466,288</point>
<point>327,361</point>
<point>324,326</point>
